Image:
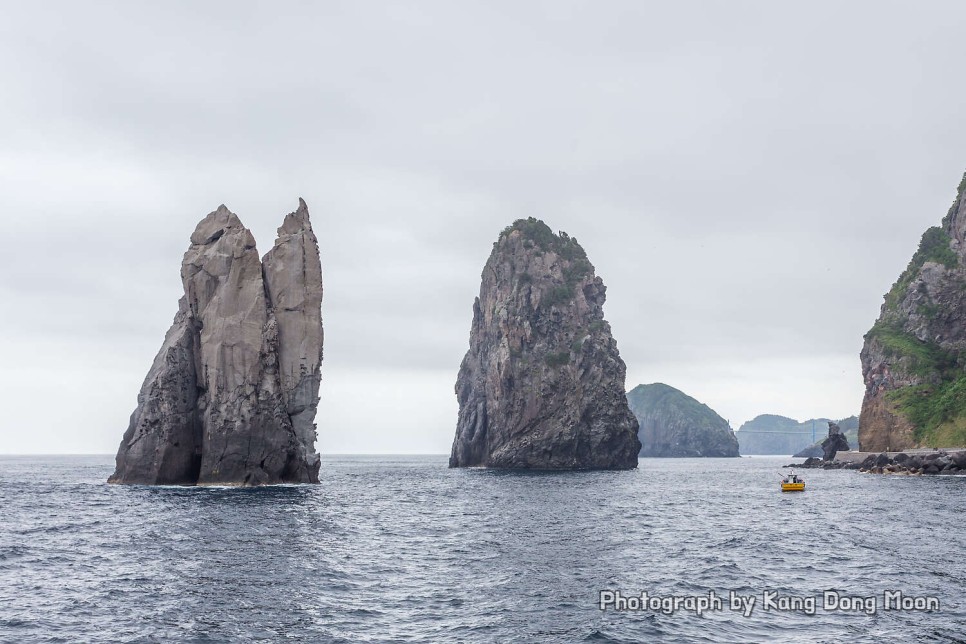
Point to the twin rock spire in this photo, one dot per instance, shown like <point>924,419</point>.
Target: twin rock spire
<point>231,396</point>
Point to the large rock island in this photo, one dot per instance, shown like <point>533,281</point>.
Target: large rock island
<point>913,358</point>
<point>231,396</point>
<point>542,385</point>
<point>673,424</point>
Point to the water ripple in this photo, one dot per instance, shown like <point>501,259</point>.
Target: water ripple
<point>401,549</point>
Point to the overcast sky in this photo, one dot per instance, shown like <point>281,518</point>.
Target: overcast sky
<point>748,179</point>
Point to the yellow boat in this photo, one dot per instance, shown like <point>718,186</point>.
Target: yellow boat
<point>792,483</point>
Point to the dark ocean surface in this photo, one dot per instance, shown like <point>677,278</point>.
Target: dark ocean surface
<point>402,549</point>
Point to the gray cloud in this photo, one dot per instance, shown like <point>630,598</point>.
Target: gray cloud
<point>748,177</point>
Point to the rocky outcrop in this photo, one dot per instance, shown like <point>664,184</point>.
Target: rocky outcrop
<point>231,396</point>
<point>673,424</point>
<point>834,442</point>
<point>952,462</point>
<point>938,462</point>
<point>849,427</point>
<point>542,385</point>
<point>912,358</point>
<point>293,281</point>
<point>828,447</point>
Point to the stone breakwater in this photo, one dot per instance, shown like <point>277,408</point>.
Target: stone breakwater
<point>919,462</point>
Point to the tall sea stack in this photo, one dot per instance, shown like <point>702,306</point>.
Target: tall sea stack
<point>542,385</point>
<point>231,396</point>
<point>913,360</point>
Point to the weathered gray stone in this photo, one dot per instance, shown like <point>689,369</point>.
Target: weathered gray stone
<point>215,407</point>
<point>162,444</point>
<point>293,278</point>
<point>834,443</point>
<point>882,460</point>
<point>542,385</point>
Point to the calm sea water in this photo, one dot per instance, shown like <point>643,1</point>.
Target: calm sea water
<point>402,549</point>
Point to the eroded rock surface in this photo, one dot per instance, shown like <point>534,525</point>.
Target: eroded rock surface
<point>293,278</point>
<point>231,397</point>
<point>913,357</point>
<point>834,442</point>
<point>542,385</point>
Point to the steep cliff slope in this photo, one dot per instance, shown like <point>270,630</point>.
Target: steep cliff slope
<point>542,385</point>
<point>231,395</point>
<point>675,424</point>
<point>912,359</point>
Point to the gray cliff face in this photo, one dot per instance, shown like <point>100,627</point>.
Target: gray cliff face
<point>674,424</point>
<point>231,396</point>
<point>912,358</point>
<point>293,280</point>
<point>542,385</point>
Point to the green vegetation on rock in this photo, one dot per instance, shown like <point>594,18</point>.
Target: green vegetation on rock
<point>578,270</point>
<point>952,209</point>
<point>558,294</point>
<point>924,358</point>
<point>673,424</point>
<point>936,408</point>
<point>933,247</point>
<point>538,235</point>
<point>937,412</point>
<point>917,345</point>
<point>557,359</point>
<point>646,397</point>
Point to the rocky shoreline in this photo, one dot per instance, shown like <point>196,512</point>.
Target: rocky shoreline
<point>916,463</point>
